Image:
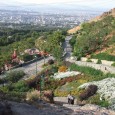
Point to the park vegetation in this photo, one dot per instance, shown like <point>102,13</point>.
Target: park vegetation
<point>94,36</point>
<point>22,39</point>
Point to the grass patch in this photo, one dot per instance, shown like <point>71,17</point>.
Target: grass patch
<point>93,74</point>
<point>96,100</point>
<point>104,56</point>
<point>113,64</point>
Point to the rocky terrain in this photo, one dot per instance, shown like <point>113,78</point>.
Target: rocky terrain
<point>43,108</point>
<point>106,88</point>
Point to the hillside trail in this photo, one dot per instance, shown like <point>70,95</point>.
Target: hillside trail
<point>88,109</point>
<point>59,107</point>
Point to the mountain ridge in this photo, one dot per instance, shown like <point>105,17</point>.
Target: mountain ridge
<point>105,14</point>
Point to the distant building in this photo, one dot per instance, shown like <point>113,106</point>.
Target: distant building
<point>32,51</point>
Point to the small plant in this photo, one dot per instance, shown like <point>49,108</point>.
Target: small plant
<point>14,76</point>
<point>96,100</point>
<point>50,62</point>
<point>89,60</point>
<point>113,64</point>
<point>33,95</point>
<point>78,58</point>
<point>21,86</point>
<point>99,61</point>
<point>44,65</point>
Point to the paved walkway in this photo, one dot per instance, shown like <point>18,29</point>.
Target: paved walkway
<point>30,69</point>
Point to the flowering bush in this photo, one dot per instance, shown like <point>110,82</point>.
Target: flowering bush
<point>62,69</point>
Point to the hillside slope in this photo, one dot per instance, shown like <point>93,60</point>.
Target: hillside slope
<point>95,36</point>
<point>105,14</point>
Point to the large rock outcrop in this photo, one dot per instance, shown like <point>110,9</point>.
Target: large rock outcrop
<point>106,88</point>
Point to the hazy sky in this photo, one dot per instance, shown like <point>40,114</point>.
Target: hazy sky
<point>90,3</point>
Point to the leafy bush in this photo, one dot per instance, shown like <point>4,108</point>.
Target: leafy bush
<point>72,41</point>
<point>15,96</point>
<point>113,64</point>
<point>50,62</point>
<point>96,100</point>
<point>99,61</point>
<point>21,86</point>
<point>88,60</point>
<point>27,57</point>
<point>14,76</point>
<point>54,69</point>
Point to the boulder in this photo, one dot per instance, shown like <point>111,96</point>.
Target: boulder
<point>106,88</point>
<point>5,109</point>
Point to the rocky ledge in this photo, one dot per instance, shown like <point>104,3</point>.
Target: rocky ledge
<point>43,108</point>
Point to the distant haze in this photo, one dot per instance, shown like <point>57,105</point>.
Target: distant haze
<point>58,5</point>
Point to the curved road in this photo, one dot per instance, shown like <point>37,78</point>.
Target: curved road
<point>30,69</point>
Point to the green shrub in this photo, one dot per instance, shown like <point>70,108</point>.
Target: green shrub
<point>96,100</point>
<point>89,60</point>
<point>16,96</point>
<point>78,58</point>
<point>103,103</point>
<point>99,61</point>
<point>21,86</point>
<point>54,69</point>
<point>27,57</point>
<point>14,76</point>
<point>113,64</point>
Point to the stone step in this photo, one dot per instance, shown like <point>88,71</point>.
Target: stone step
<point>73,107</point>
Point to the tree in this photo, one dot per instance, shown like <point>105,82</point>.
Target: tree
<point>41,44</point>
<point>57,52</point>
